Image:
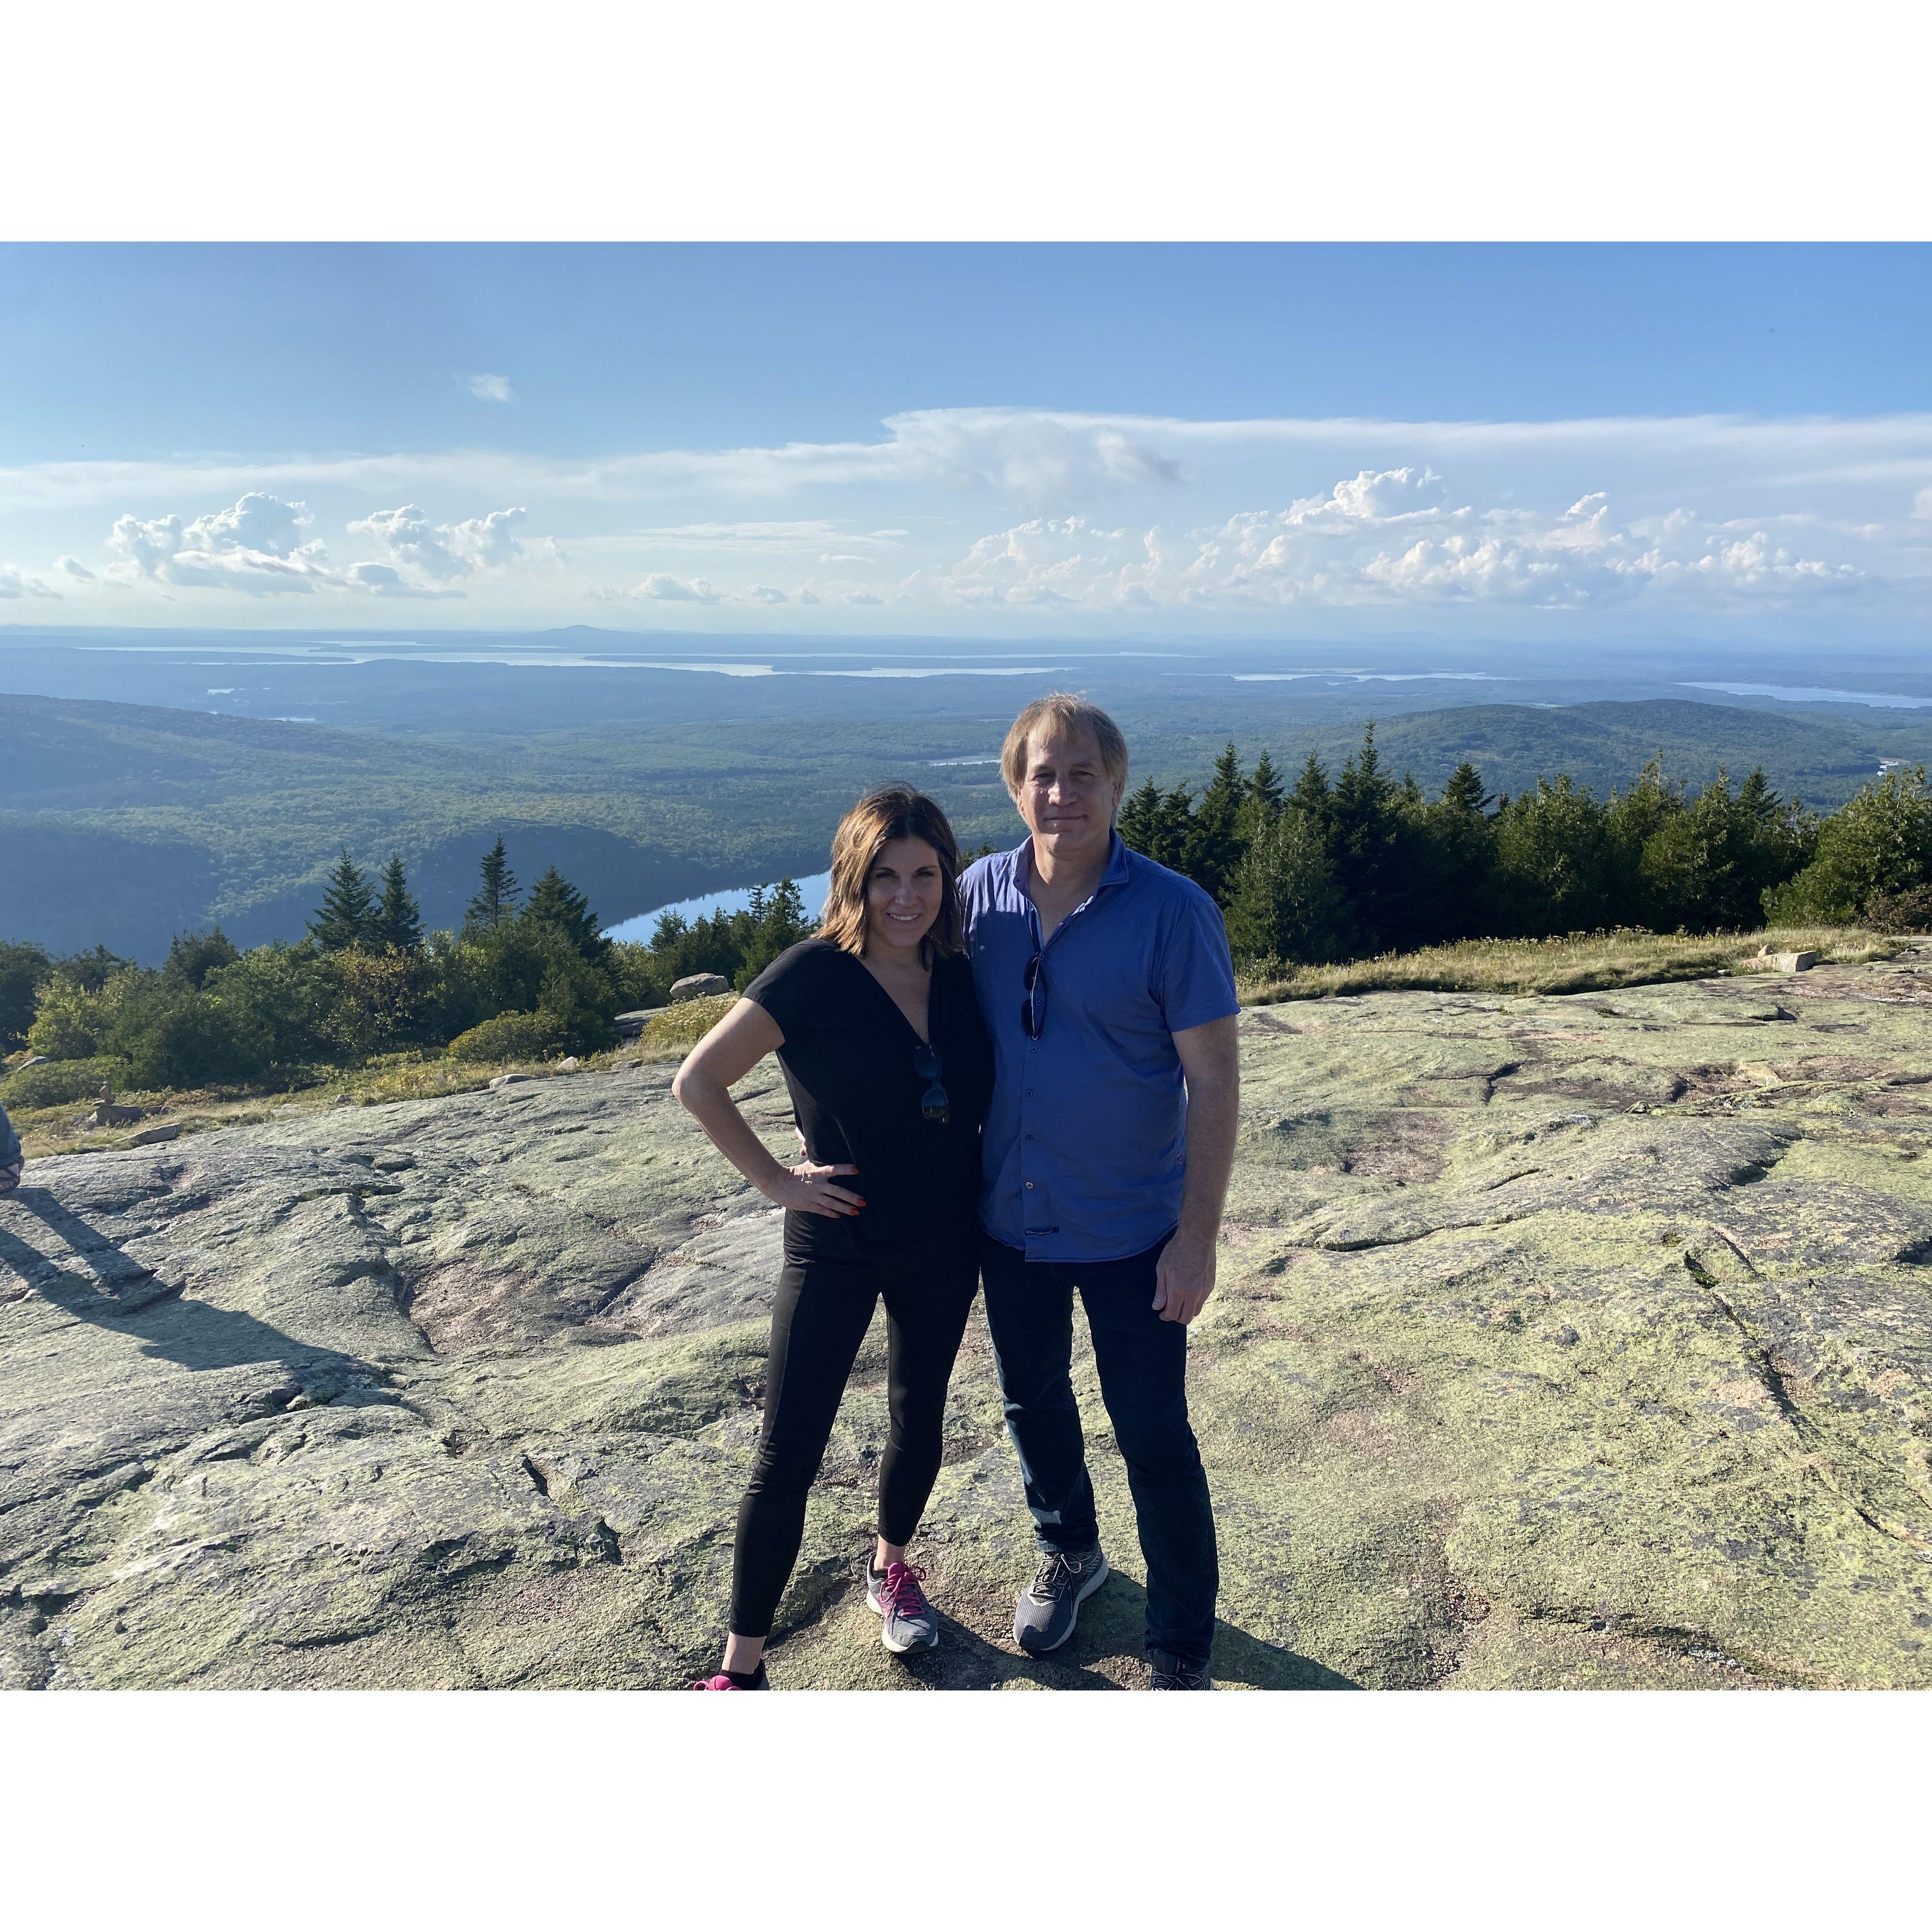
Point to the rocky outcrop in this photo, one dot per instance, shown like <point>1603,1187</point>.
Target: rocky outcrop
<point>1560,1341</point>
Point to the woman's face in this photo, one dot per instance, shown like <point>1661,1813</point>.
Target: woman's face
<point>903,894</point>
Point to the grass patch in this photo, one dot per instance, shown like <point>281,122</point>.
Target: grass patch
<point>1581,963</point>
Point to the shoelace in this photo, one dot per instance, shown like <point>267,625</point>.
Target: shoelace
<point>1177,1680</point>
<point>900,1588</point>
<point>1056,1575</point>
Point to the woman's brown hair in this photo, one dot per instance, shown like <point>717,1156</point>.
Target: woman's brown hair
<point>893,811</point>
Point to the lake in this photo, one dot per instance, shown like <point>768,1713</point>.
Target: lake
<point>734,898</point>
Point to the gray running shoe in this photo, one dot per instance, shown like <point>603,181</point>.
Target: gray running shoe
<point>1049,1607</point>
<point>908,1622</point>
<point>1170,1672</point>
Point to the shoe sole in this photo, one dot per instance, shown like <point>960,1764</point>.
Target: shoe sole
<point>885,1636</point>
<point>1080,1596</point>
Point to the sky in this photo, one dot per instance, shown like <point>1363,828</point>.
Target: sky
<point>1160,441</point>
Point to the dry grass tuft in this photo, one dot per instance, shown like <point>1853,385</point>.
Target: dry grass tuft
<point>1582,962</point>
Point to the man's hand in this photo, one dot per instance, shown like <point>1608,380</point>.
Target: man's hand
<point>1183,1279</point>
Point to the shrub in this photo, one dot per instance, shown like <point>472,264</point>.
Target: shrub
<point>1879,845</point>
<point>1907,911</point>
<point>672,1034</point>
<point>24,969</point>
<point>510,1036</point>
<point>54,1083</point>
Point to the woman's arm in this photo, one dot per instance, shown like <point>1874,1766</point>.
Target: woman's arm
<point>722,1057</point>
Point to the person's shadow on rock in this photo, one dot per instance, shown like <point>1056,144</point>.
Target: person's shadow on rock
<point>94,1281</point>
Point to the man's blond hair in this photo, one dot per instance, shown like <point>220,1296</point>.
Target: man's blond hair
<point>1060,711</point>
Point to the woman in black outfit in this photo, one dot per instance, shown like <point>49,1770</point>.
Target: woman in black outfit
<point>876,1025</point>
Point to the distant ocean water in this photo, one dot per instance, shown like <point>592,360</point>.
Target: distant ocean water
<point>1813,693</point>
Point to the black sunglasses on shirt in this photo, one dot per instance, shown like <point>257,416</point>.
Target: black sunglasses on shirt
<point>1033,1008</point>
<point>933,1105</point>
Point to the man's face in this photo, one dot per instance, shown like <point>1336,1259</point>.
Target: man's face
<point>1065,795</point>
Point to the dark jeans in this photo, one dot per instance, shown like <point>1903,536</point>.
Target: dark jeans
<point>823,1310</point>
<point>1143,1365</point>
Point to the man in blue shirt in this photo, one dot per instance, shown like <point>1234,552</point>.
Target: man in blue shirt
<point>1106,986</point>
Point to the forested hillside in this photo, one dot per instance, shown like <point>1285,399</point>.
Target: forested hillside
<point>123,824</point>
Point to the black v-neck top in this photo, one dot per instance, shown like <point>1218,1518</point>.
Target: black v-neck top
<point>848,1059</point>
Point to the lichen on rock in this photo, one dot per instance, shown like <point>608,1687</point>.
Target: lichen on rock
<point>1576,1341</point>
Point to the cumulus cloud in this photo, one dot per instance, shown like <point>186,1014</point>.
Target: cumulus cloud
<point>73,567</point>
<point>15,583</point>
<point>490,388</point>
<point>253,546</point>
<point>661,587</point>
<point>1388,537</point>
<point>765,593</point>
<point>425,555</point>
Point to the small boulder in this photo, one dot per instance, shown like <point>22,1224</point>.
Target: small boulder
<point>629,1025</point>
<point>507,1080</point>
<point>1794,962</point>
<point>699,986</point>
<point>567,1064</point>
<point>149,1136</point>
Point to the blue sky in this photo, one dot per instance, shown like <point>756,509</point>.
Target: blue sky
<point>1143,440</point>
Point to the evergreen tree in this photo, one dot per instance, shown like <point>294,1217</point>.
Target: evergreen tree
<point>1264,784</point>
<point>1139,824</point>
<point>1311,796</point>
<point>1457,861</point>
<point>397,921</point>
<point>348,906</point>
<point>1366,846</point>
<point>1214,845</point>
<point>192,956</point>
<point>1285,905</point>
<point>497,898</point>
<point>557,905</point>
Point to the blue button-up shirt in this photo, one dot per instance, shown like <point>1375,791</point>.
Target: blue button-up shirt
<point>1086,1148</point>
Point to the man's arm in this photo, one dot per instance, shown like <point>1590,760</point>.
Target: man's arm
<point>1210,1062</point>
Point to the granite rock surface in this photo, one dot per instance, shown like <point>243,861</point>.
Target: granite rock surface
<point>1560,1341</point>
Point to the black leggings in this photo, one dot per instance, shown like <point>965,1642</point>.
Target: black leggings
<point>823,1310</point>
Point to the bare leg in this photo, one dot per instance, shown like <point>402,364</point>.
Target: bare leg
<point>742,1653</point>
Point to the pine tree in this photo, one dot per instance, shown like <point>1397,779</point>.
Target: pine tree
<point>1464,792</point>
<point>1264,787</point>
<point>1284,905</point>
<point>556,903</point>
<point>1139,824</point>
<point>397,921</point>
<point>1214,847</point>
<point>348,908</point>
<point>497,899</point>
<point>1311,796</point>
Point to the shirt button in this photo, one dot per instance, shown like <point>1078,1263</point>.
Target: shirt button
<point>1029,1183</point>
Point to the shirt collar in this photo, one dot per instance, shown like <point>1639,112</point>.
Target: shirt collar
<point>1119,859</point>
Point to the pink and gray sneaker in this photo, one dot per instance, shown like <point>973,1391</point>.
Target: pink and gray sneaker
<point>909,1622</point>
<point>725,1681</point>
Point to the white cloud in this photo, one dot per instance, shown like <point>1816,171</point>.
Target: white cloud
<point>253,546</point>
<point>1364,544</point>
<point>73,567</point>
<point>661,586</point>
<point>15,583</point>
<point>425,555</point>
<point>490,388</point>
<point>1103,519</point>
